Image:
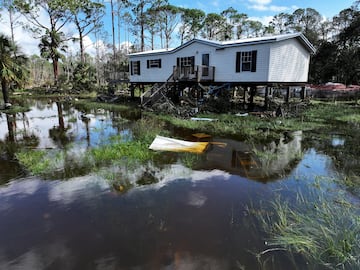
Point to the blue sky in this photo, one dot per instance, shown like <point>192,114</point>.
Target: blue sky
<point>267,8</point>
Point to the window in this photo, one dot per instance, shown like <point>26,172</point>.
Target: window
<point>154,63</point>
<point>246,61</point>
<point>205,59</point>
<point>135,67</point>
<point>186,61</point>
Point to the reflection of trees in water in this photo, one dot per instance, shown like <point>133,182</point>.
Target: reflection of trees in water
<point>20,137</point>
<point>258,162</point>
<point>59,133</point>
<point>15,139</point>
<point>345,156</point>
<point>11,127</point>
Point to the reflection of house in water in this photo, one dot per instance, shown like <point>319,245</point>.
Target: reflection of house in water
<point>254,162</point>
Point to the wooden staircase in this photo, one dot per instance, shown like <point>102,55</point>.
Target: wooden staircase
<point>157,93</point>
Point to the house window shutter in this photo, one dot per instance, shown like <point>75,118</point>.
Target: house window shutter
<point>192,61</point>
<point>253,61</point>
<point>138,64</point>
<point>178,62</point>
<point>159,63</point>
<point>148,63</point>
<point>131,68</point>
<point>238,60</point>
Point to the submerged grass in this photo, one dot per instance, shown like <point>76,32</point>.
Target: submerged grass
<point>87,104</point>
<point>34,160</point>
<point>64,162</point>
<point>322,226</point>
<point>16,109</point>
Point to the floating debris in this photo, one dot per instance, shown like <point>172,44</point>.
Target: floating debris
<point>202,119</point>
<point>161,143</point>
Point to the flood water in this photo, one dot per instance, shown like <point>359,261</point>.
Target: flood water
<point>189,219</point>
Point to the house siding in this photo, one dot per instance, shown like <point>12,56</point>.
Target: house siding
<point>225,67</point>
<point>280,61</point>
<point>289,62</point>
<point>168,61</point>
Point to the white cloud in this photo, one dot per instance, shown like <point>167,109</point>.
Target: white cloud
<point>258,7</point>
<point>264,5</point>
<point>264,20</point>
<point>66,192</point>
<point>215,3</point>
<point>89,46</point>
<point>29,44</point>
<point>278,8</point>
<point>261,2</point>
<point>268,8</point>
<point>26,42</point>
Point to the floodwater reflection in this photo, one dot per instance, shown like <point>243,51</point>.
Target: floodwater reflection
<point>82,224</point>
<point>182,212</point>
<point>263,162</point>
<point>189,219</point>
<point>55,125</point>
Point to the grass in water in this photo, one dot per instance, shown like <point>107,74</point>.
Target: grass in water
<point>16,109</point>
<point>67,162</point>
<point>322,227</point>
<point>34,160</point>
<point>86,104</point>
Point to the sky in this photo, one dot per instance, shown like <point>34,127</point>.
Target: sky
<point>261,10</point>
<point>264,10</point>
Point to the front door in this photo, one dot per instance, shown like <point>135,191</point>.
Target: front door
<point>186,67</point>
<point>205,64</point>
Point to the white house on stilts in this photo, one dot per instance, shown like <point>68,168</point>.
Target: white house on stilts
<point>271,60</point>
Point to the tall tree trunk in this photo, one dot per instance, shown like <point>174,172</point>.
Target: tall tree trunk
<point>81,40</point>
<point>5,91</point>
<point>119,25</point>
<point>142,37</point>
<point>55,70</point>
<point>11,17</point>
<point>113,27</point>
<point>82,55</point>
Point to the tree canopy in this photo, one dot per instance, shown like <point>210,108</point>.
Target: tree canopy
<point>153,24</point>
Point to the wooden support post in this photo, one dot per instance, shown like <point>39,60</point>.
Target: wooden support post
<point>132,91</point>
<point>303,93</point>
<point>251,99</point>
<point>266,103</point>
<point>245,89</point>
<point>287,96</point>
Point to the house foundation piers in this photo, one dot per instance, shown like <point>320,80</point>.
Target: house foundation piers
<point>247,96</point>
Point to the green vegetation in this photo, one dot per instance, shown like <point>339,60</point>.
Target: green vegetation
<point>125,151</point>
<point>249,128</point>
<point>322,226</point>
<point>12,66</point>
<point>134,149</point>
<point>16,109</point>
<point>87,104</point>
<point>34,161</point>
<point>328,113</point>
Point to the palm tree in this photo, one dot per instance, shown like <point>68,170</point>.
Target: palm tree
<point>12,68</point>
<point>51,46</point>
